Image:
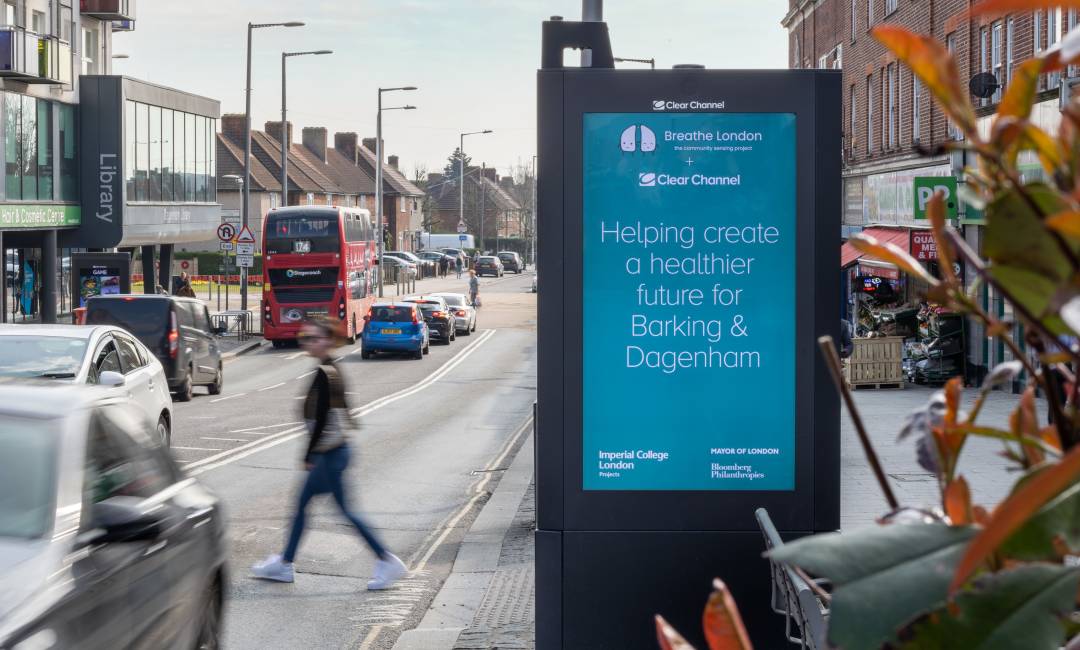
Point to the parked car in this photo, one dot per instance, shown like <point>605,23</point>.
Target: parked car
<point>442,324</point>
<point>441,260</point>
<point>427,265</point>
<point>104,543</point>
<point>489,265</point>
<point>511,261</point>
<point>458,253</point>
<point>103,355</point>
<point>395,327</point>
<point>464,311</point>
<point>177,331</point>
<point>397,265</point>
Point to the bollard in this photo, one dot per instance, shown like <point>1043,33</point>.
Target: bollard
<point>226,293</point>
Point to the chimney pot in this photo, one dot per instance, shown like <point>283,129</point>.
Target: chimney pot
<point>273,129</point>
<point>314,138</point>
<point>392,161</point>
<point>232,127</point>
<point>345,143</point>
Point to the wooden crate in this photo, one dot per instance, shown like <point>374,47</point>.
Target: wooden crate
<point>876,361</point>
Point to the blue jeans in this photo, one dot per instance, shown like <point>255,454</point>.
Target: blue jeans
<point>326,476</point>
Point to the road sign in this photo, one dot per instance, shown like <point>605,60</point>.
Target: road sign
<point>461,227</point>
<point>245,261</point>
<point>245,249</point>
<point>245,236</point>
<point>226,246</point>
<point>226,231</point>
<point>462,237</point>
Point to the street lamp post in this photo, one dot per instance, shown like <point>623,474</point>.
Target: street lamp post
<point>378,172</point>
<point>247,143</point>
<point>284,129</point>
<point>461,179</point>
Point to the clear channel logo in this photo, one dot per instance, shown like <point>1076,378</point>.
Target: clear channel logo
<point>695,105</point>
<point>647,179</point>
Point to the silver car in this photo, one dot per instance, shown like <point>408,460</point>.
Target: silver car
<point>463,309</point>
<point>89,354</point>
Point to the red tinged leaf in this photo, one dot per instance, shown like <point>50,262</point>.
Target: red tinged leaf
<point>724,629</point>
<point>1015,511</point>
<point>958,502</point>
<point>667,636</point>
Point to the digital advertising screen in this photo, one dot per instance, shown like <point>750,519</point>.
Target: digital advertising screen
<point>689,292</point>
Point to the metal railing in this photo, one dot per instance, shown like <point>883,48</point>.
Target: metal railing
<point>233,323</point>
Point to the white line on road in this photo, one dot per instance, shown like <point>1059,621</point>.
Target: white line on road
<point>307,374</point>
<point>268,426</point>
<point>271,387</point>
<point>225,439</point>
<point>222,399</point>
<point>255,446</point>
<point>196,448</point>
<point>295,355</point>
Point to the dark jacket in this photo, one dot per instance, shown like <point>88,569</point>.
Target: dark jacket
<point>185,291</point>
<point>846,345</point>
<point>326,411</point>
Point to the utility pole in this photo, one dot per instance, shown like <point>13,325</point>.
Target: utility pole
<point>379,174</point>
<point>483,209</point>
<point>534,213</point>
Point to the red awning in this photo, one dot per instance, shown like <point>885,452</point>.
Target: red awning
<point>899,236</point>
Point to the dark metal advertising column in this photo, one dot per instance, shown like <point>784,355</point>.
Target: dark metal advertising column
<point>689,226</point>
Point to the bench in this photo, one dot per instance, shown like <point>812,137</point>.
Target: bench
<point>792,596</point>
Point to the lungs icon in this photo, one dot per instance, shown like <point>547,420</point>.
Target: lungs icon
<point>630,142</point>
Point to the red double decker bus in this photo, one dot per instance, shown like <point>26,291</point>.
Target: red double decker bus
<point>317,261</point>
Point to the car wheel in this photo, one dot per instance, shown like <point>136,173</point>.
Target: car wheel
<point>278,343</point>
<point>427,347</point>
<point>184,394</point>
<point>467,331</point>
<point>210,626</point>
<point>453,333</point>
<point>418,353</point>
<point>219,382</point>
<point>163,431</point>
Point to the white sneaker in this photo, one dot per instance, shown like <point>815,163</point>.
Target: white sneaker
<point>273,568</point>
<point>387,572</point>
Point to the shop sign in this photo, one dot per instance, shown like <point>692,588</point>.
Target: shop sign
<point>887,272</point>
<point>39,216</point>
<point>923,245</point>
<point>925,188</point>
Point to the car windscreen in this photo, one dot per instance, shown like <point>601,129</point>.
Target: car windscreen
<point>147,319</point>
<point>302,233</point>
<point>41,356</point>
<point>392,314</point>
<point>429,307</point>
<point>27,476</point>
<point>454,300</point>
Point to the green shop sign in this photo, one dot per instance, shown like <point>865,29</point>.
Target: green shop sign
<point>926,186</point>
<point>14,215</point>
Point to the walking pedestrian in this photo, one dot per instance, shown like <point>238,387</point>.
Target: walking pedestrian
<point>457,265</point>
<point>474,288</point>
<point>329,423</point>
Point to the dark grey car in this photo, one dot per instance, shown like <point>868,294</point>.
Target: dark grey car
<point>103,542</point>
<point>177,330</point>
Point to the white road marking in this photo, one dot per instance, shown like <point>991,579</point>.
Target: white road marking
<point>306,374</point>
<point>268,426</point>
<point>197,448</point>
<point>271,387</point>
<point>295,355</point>
<point>225,439</point>
<point>255,446</point>
<point>222,399</point>
<point>444,529</point>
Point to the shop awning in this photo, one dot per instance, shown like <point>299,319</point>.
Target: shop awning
<point>899,236</point>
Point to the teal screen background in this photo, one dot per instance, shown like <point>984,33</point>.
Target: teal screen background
<point>702,417</point>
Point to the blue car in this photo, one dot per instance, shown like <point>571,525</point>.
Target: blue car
<point>390,327</point>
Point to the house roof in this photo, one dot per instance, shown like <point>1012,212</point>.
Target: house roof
<point>348,174</point>
<point>230,160</point>
<point>445,193</point>
<point>394,182</point>
<point>302,176</point>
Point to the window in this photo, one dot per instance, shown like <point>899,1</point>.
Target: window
<point>189,158</point>
<point>153,143</point>
<point>11,14</point>
<point>66,28</point>
<point>200,158</point>
<point>997,58</point>
<point>951,128</point>
<point>838,62</point>
<point>1036,31</point>
<point>984,57</point>
<point>890,6</point>
<point>869,13</point>
<point>89,51</point>
<point>28,148</point>
<point>869,114</point>
<point>106,360</point>
<point>129,354</point>
<point>1053,35</point>
<point>166,154</point>
<point>116,465</point>
<point>892,105</point>
<point>883,92</point>
<point>854,11</point>
<point>37,23</point>
<point>69,165</point>
<point>1072,18</point>
<point>1010,35</point>
<point>823,62</point>
<point>211,157</point>
<point>916,95</point>
<point>142,152</point>
<point>44,147</point>
<point>129,148</point>
<point>852,121</point>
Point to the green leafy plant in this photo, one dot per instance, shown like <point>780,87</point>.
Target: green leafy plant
<point>955,574</point>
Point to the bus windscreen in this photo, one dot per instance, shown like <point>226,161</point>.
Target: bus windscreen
<point>302,233</point>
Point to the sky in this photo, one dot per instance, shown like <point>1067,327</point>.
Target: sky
<point>474,61</point>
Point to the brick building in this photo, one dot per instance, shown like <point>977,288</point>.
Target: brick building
<point>890,120</point>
